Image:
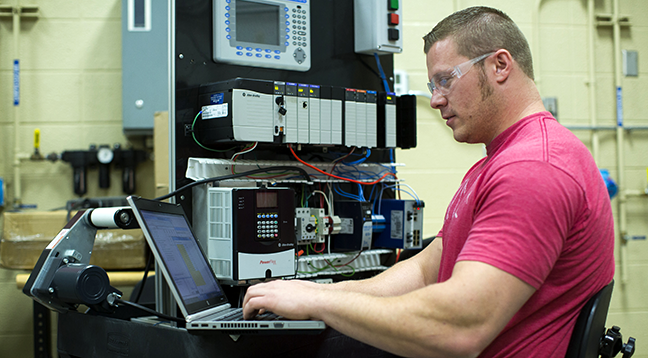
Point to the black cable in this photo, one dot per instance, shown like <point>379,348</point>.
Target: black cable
<point>146,271</point>
<point>237,175</point>
<point>369,67</point>
<point>148,310</point>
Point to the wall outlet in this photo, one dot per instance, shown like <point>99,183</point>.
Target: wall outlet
<point>630,63</point>
<point>551,105</point>
<point>401,82</point>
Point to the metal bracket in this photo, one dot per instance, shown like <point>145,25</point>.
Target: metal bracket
<point>608,20</point>
<point>26,11</point>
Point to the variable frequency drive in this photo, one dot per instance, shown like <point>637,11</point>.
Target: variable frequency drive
<point>246,233</point>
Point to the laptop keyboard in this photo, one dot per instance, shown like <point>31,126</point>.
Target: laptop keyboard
<point>237,315</point>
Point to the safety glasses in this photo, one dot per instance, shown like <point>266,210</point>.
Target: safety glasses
<point>443,81</point>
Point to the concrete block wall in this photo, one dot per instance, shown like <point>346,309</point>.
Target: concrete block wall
<point>70,69</point>
<point>71,91</point>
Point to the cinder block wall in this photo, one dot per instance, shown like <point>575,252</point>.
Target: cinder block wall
<point>70,69</point>
<point>71,91</point>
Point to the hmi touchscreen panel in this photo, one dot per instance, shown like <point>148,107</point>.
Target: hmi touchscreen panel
<point>262,33</point>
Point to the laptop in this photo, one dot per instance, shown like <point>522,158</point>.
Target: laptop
<point>191,280</point>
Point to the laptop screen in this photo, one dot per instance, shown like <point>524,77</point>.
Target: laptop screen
<point>188,269</point>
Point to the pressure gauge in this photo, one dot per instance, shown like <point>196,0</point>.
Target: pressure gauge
<point>105,155</point>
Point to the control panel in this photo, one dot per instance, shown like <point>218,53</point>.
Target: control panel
<point>378,26</point>
<point>262,33</point>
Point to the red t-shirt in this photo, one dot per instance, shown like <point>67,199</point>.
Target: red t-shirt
<point>537,208</point>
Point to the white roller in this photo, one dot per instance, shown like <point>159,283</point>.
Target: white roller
<point>105,217</point>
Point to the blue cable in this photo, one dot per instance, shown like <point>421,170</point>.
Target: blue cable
<point>418,201</point>
<point>361,160</point>
<point>346,195</point>
<point>382,73</point>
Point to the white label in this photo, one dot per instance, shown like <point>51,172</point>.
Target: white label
<point>366,234</point>
<point>346,226</point>
<point>396,224</point>
<point>215,111</point>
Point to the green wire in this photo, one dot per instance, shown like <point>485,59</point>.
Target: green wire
<point>197,142</point>
<point>325,267</point>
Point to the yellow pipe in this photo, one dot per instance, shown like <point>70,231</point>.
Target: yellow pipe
<point>117,278</point>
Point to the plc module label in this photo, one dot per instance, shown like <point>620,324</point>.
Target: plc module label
<point>215,111</point>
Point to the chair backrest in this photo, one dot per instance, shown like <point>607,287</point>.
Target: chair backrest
<point>590,325</point>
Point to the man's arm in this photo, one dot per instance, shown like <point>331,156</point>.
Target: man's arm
<point>456,318</point>
<point>406,276</point>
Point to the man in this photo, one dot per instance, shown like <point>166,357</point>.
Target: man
<point>526,241</point>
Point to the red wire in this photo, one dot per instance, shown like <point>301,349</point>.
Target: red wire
<point>335,176</point>
<point>341,159</point>
<point>320,251</point>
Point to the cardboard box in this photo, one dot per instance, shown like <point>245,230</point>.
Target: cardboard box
<point>25,236</point>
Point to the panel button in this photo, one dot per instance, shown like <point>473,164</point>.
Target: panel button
<point>392,19</point>
<point>392,4</point>
<point>393,34</point>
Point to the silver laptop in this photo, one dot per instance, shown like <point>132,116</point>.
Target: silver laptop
<point>192,281</point>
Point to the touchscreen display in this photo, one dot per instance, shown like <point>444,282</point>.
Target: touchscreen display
<point>257,23</point>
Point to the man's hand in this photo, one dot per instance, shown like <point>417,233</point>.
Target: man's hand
<point>292,299</point>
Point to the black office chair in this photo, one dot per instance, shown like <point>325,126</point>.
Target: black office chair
<point>589,338</point>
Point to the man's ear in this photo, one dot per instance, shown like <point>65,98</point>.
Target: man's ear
<point>503,65</point>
